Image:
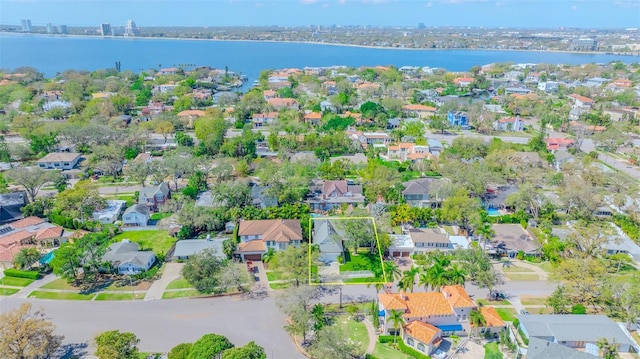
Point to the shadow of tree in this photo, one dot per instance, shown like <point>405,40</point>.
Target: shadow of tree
<point>73,350</point>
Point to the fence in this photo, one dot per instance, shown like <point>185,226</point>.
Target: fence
<point>357,274</point>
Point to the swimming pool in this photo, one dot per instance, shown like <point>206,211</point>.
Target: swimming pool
<point>494,212</point>
<point>46,259</point>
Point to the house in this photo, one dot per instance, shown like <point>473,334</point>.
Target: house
<point>334,194</point>
<point>126,257</point>
<point>622,83</point>
<point>263,119</point>
<point>313,118</point>
<point>458,119</point>
<point>463,81</point>
<point>516,91</point>
<point>283,103</point>
<point>393,123</point>
<point>401,245</point>
<point>581,101</point>
<point>267,94</point>
<point>421,111</point>
<point>548,86</point>
<point>29,232</point>
<point>186,248</point>
<point>561,158</point>
<point>59,160</point>
<point>154,196</point>
<point>510,239</point>
<point>328,237</point>
<point>356,159</point>
<point>260,196</point>
<point>448,311</point>
<point>424,337</point>
<point>493,323</point>
<point>256,237</point>
<point>11,205</point>
<point>529,159</point>
<point>435,146</point>
<point>416,193</point>
<point>429,239</point>
<point>137,215</point>
<point>558,143</point>
<point>111,212</point>
<point>168,71</point>
<point>190,116</point>
<point>407,151</point>
<point>509,124</point>
<point>545,349</point>
<point>577,331</point>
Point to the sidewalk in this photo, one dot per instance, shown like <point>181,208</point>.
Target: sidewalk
<point>171,273</point>
<point>24,292</point>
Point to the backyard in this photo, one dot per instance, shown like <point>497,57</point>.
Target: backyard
<point>491,351</point>
<point>158,241</point>
<point>362,261</point>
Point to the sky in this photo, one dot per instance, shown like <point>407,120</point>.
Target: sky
<point>591,14</point>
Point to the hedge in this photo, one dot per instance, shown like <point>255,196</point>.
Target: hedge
<point>384,339</point>
<point>16,273</point>
<point>369,356</point>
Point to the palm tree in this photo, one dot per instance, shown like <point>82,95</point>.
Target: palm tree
<point>486,232</point>
<point>437,277</point>
<point>424,279</point>
<point>456,275</point>
<point>476,319</point>
<point>408,279</point>
<point>26,257</point>
<point>397,320</point>
<point>392,271</point>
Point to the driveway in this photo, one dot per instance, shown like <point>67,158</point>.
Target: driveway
<point>162,324</point>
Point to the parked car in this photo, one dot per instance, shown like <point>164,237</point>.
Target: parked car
<point>524,312</point>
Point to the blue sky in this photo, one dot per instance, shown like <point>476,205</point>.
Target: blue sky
<point>475,13</point>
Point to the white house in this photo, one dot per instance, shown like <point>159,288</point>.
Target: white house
<point>328,238</point>
<point>111,213</point>
<point>136,215</point>
<point>128,259</point>
<point>59,160</point>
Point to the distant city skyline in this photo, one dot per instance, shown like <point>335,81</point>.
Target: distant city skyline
<point>591,14</point>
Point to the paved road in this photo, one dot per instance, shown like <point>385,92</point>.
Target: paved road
<point>162,324</point>
<point>621,165</point>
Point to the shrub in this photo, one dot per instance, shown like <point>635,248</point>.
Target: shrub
<point>384,339</point>
<point>410,351</point>
<point>579,309</point>
<point>180,351</point>
<point>16,273</point>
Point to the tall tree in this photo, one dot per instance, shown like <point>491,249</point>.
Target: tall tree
<point>30,178</point>
<point>209,346</point>
<point>202,271</point>
<point>27,335</point>
<point>332,343</point>
<point>115,344</point>
<point>26,257</point>
<point>396,319</point>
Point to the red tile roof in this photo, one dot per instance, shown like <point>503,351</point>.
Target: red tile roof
<point>26,222</point>
<point>423,332</point>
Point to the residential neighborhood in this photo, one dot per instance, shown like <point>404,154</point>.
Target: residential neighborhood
<point>384,212</point>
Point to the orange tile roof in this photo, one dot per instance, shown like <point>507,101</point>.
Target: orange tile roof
<point>15,238</point>
<point>406,145</point>
<point>391,302</point>
<point>457,296</point>
<point>419,304</point>
<point>198,113</point>
<point>581,98</point>
<point>416,156</point>
<point>7,254</point>
<point>279,230</point>
<point>26,222</point>
<point>47,233</point>
<point>313,116</point>
<point>421,331</point>
<point>417,107</point>
<point>491,317</point>
<point>282,102</point>
<point>252,246</point>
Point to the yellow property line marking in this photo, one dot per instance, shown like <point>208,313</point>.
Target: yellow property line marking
<point>375,231</point>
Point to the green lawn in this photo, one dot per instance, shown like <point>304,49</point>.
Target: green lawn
<point>8,291</point>
<point>514,268</point>
<point>539,310</point>
<point>357,331</point>
<point>507,314</point>
<point>181,294</point>
<point>491,351</point>
<point>364,280</point>
<point>158,241</point>
<point>179,283</point>
<point>279,285</point>
<point>59,283</point>
<point>362,261</point>
<point>533,300</point>
<point>60,295</point>
<point>522,277</point>
<point>274,275</point>
<point>492,302</point>
<point>387,352</point>
<point>118,296</point>
<point>16,282</point>
<point>123,288</point>
<point>160,215</point>
<point>545,266</point>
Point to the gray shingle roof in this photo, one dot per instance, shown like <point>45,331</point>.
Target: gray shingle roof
<point>543,349</point>
<point>571,327</point>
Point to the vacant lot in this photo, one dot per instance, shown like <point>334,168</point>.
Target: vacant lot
<point>158,241</point>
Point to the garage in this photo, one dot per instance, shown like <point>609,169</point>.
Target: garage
<point>253,257</point>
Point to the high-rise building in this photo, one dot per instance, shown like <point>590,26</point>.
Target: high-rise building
<point>50,28</point>
<point>62,29</point>
<point>131,29</point>
<point>105,29</point>
<point>26,25</point>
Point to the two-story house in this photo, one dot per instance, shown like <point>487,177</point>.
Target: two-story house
<point>263,119</point>
<point>334,194</point>
<point>256,237</point>
<point>429,239</point>
<point>416,193</point>
<point>581,101</point>
<point>458,119</point>
<point>155,196</point>
<point>420,111</point>
<point>509,124</point>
